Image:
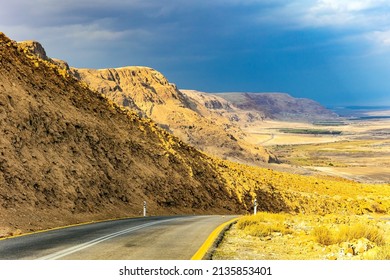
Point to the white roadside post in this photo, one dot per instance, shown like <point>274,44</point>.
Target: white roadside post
<point>144,208</point>
<point>255,207</point>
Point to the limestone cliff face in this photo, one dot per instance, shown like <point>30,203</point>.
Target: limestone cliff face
<point>139,88</point>
<point>214,104</point>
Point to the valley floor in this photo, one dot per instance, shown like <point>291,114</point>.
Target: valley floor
<point>361,151</point>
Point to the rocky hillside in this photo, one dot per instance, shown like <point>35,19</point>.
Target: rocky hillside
<point>280,106</point>
<point>68,154</point>
<point>208,123</point>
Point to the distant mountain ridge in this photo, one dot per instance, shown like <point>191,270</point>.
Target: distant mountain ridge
<point>281,106</point>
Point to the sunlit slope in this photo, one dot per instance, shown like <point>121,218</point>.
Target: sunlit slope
<point>286,192</point>
<point>68,154</point>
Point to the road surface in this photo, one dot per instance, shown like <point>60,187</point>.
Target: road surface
<point>150,238</point>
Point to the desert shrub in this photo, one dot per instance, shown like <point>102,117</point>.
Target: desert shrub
<point>264,229</point>
<point>245,222</point>
<point>372,233</point>
<point>346,233</point>
<point>323,235</point>
<point>263,224</point>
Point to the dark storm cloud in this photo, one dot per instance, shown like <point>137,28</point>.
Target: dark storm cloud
<point>329,50</point>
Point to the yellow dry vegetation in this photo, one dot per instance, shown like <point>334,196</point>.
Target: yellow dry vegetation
<point>307,237</point>
<point>279,191</point>
<point>264,224</point>
<point>344,233</point>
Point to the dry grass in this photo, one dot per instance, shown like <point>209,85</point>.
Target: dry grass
<point>357,231</point>
<point>323,235</point>
<point>263,224</point>
<point>284,192</point>
<point>345,233</point>
<point>307,237</point>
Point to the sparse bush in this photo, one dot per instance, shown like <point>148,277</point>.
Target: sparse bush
<point>357,231</point>
<point>346,233</point>
<point>323,235</point>
<point>263,224</point>
<point>245,222</point>
<point>378,208</point>
<point>264,229</point>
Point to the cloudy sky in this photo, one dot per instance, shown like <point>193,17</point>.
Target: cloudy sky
<point>333,51</point>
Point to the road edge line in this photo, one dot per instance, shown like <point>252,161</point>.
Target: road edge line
<point>204,251</point>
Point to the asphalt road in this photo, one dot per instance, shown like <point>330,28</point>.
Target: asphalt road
<point>150,238</point>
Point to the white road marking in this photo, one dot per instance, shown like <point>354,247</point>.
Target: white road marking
<point>74,249</point>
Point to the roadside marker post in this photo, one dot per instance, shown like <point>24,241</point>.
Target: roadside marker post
<point>144,208</point>
<point>255,207</point>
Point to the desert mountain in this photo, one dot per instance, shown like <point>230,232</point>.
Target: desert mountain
<point>215,106</point>
<point>280,106</point>
<point>68,154</point>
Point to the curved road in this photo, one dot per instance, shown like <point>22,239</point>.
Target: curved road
<point>151,238</point>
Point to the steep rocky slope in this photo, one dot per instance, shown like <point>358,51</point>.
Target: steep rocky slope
<point>67,154</point>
